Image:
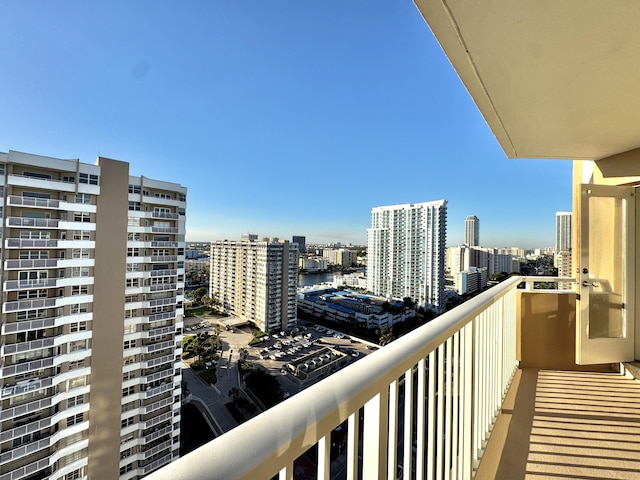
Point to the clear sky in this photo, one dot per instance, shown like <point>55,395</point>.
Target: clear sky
<point>281,117</point>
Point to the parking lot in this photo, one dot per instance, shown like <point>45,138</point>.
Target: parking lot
<point>275,351</point>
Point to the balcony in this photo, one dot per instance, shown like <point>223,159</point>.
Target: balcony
<point>427,404</point>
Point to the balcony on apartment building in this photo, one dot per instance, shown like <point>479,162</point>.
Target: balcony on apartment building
<point>489,389</point>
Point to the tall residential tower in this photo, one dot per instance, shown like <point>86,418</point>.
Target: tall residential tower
<point>472,231</point>
<point>91,319</point>
<point>406,251</point>
<point>256,280</point>
<point>563,231</point>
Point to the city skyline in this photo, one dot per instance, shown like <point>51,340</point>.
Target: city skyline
<point>288,121</point>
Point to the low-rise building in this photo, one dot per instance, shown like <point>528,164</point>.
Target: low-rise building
<point>346,306</point>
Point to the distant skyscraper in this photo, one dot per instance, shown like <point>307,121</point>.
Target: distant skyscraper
<point>563,231</point>
<point>406,250</point>
<point>562,259</point>
<point>472,231</point>
<point>256,280</point>
<point>301,241</point>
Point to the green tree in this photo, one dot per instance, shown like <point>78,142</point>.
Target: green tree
<point>408,303</point>
<point>265,386</point>
<point>198,293</point>
<point>385,336</point>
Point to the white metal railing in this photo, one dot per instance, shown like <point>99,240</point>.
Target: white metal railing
<point>32,222</point>
<point>428,402</point>
<point>33,202</point>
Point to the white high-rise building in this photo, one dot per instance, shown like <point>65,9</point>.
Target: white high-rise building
<point>406,252</point>
<point>91,319</point>
<point>563,231</point>
<point>472,231</point>
<point>256,280</point>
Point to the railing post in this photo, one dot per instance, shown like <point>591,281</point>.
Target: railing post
<point>392,451</point>
<point>353,435</point>
<point>375,435</point>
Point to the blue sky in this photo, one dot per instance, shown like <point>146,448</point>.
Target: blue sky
<point>281,117</point>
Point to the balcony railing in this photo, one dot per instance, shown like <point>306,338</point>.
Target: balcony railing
<point>32,222</point>
<point>425,403</point>
<point>33,202</point>
<point>31,243</point>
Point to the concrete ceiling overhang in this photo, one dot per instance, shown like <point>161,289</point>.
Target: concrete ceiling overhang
<point>552,78</point>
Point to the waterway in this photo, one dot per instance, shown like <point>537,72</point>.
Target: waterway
<point>305,279</point>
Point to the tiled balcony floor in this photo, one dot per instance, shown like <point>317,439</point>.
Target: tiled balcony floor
<point>566,425</point>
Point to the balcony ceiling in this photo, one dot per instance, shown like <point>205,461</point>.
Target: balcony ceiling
<point>552,78</point>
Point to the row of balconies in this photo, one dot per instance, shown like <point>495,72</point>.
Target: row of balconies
<point>61,185</point>
<point>27,264</point>
<point>52,204</point>
<point>158,405</point>
<point>27,470</point>
<point>27,367</point>
<point>13,348</point>
<point>49,223</point>
<point>24,386</point>
<point>26,243</point>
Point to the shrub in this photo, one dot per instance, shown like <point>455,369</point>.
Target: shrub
<point>208,375</point>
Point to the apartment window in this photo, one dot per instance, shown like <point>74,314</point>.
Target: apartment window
<point>128,376</point>
<point>33,275</point>
<point>78,418</point>
<point>77,308</point>
<point>68,179</point>
<point>134,237</point>
<point>44,176</point>
<point>77,346</point>
<point>126,453</point>
<point>77,327</point>
<point>2,170</point>
<point>29,294</point>
<point>83,198</point>
<point>133,222</point>
<point>132,313</point>
<point>133,252</point>
<point>81,235</point>
<point>126,468</point>
<point>126,438</point>
<point>76,364</point>
<point>35,235</point>
<point>165,196</point>
<point>80,253</point>
<point>135,206</point>
<point>127,422</point>
<point>73,401</point>
<point>128,391</point>
<point>134,188</point>
<point>75,475</point>
<point>83,217</point>
<point>129,344</point>
<point>130,298</point>
<point>79,271</point>
<point>31,314</point>
<point>130,360</point>
<point>80,290</point>
<point>133,267</point>
<point>88,178</point>
<point>182,197</point>
<point>129,329</point>
<point>133,282</point>
<point>34,254</point>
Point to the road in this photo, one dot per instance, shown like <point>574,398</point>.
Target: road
<point>215,397</point>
